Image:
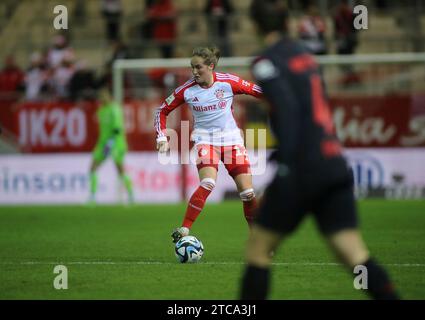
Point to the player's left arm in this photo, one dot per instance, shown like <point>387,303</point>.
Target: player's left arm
<point>241,86</point>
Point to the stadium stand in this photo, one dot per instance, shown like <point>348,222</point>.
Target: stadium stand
<point>386,33</point>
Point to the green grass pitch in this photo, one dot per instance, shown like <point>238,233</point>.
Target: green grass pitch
<point>117,252</point>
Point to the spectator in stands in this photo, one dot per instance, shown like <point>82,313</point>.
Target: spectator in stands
<point>59,49</point>
<point>382,4</point>
<point>345,33</point>
<point>118,51</point>
<point>11,80</point>
<point>61,77</point>
<point>35,78</point>
<point>311,30</point>
<point>146,25</point>
<point>82,83</point>
<point>80,12</point>
<point>112,12</point>
<point>163,79</point>
<point>105,80</point>
<point>162,17</point>
<point>218,13</point>
<point>346,37</point>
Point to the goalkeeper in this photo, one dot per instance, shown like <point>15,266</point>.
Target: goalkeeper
<point>111,142</point>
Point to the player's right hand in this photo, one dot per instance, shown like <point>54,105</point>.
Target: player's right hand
<point>163,146</point>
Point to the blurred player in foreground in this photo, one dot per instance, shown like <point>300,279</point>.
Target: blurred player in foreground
<point>209,95</point>
<point>111,142</point>
<point>312,175</point>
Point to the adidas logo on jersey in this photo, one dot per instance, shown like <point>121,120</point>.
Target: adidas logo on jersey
<point>195,99</point>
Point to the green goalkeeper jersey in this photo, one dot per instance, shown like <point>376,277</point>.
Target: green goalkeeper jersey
<point>111,124</point>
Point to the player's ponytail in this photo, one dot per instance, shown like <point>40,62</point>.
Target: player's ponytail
<point>210,54</point>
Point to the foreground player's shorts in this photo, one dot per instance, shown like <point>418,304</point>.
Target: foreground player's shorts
<point>288,200</point>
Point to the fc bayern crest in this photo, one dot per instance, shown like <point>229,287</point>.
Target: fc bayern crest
<point>219,94</point>
<point>203,152</point>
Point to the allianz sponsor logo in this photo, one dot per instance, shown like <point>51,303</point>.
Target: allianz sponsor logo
<point>368,171</point>
<point>205,108</point>
<point>19,182</point>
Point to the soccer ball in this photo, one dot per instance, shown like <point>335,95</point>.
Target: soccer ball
<point>189,249</point>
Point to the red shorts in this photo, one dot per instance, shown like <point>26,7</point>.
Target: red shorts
<point>234,158</point>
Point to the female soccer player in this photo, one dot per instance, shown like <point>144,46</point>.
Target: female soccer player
<point>111,142</point>
<point>209,95</point>
<point>313,176</point>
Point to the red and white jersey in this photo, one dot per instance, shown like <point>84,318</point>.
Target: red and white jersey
<point>211,108</point>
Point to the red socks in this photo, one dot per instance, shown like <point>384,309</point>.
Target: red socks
<point>249,210</point>
<point>195,206</point>
<point>199,197</point>
<point>249,204</point>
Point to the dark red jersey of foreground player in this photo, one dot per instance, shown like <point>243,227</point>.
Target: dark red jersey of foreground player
<point>299,112</point>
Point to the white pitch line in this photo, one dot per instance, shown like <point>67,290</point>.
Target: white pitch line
<point>318,264</point>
